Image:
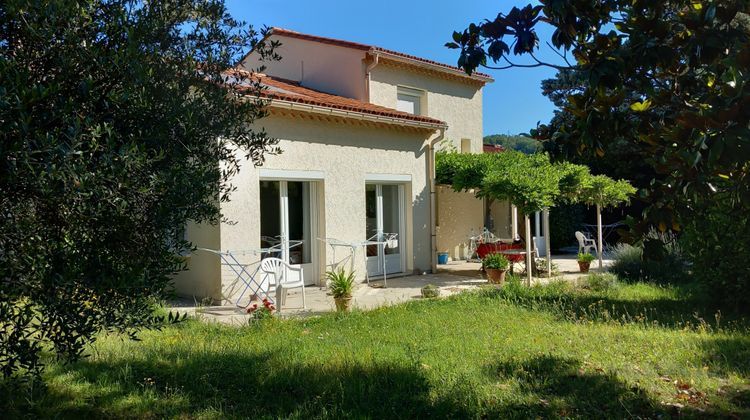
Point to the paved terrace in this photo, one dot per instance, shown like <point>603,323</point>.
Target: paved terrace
<point>451,278</point>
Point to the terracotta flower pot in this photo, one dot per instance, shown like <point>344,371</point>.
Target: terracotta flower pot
<point>343,304</point>
<point>495,276</point>
<point>584,266</point>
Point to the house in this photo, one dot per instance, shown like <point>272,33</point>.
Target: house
<point>358,126</point>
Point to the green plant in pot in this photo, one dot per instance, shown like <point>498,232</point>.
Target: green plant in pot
<point>341,285</point>
<point>495,265</point>
<point>584,261</point>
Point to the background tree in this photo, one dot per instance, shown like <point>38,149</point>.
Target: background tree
<point>520,143</point>
<point>670,79</point>
<point>116,128</point>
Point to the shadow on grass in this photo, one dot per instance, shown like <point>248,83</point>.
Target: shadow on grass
<point>560,387</point>
<point>267,386</point>
<point>235,385</point>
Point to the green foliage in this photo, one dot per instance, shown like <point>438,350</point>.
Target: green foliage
<point>629,264</point>
<point>531,182</point>
<point>430,291</point>
<point>599,282</point>
<point>518,143</point>
<point>340,283</point>
<point>660,97</point>
<point>604,191</point>
<point>496,261</point>
<point>716,241</point>
<point>117,126</point>
<point>585,257</point>
<point>564,221</point>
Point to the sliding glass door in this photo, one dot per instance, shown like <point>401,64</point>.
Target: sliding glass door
<point>286,222</point>
<point>384,212</point>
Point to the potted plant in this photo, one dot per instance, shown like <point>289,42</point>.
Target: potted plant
<point>341,285</point>
<point>584,261</point>
<point>430,291</point>
<point>495,265</point>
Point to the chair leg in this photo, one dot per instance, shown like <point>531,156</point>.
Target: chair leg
<point>304,305</point>
<point>278,299</point>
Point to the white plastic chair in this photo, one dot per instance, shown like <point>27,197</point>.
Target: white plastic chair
<point>585,243</point>
<point>280,278</point>
<point>540,246</point>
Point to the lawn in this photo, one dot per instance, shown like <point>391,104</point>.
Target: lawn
<point>616,351</point>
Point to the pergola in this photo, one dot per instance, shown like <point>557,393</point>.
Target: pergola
<point>531,183</point>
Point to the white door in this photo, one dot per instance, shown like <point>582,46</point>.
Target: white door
<point>287,222</point>
<point>384,208</point>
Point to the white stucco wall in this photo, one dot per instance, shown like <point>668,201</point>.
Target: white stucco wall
<point>458,214</point>
<point>456,102</point>
<point>346,154</point>
<point>329,68</point>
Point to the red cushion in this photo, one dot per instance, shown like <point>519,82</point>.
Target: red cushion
<point>485,249</point>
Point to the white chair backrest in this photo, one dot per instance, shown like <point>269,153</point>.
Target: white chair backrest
<point>274,266</point>
<point>580,236</point>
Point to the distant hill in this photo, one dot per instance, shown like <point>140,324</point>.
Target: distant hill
<point>520,143</point>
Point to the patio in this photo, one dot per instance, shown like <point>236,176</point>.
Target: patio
<point>451,278</point>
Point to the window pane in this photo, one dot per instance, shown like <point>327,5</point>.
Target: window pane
<point>391,215</point>
<point>371,218</point>
<point>270,214</point>
<point>408,103</point>
<point>299,222</point>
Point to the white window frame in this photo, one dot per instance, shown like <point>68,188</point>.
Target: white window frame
<point>415,96</point>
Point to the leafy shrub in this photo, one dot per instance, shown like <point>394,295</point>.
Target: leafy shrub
<point>669,267</point>
<point>564,221</point>
<point>541,267</point>
<point>496,261</point>
<point>430,291</point>
<point>719,250</point>
<point>599,282</point>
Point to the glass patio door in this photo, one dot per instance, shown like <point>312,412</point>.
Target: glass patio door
<point>384,215</point>
<point>286,215</point>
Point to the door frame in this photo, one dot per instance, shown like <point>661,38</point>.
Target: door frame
<point>402,242</point>
<point>313,269</point>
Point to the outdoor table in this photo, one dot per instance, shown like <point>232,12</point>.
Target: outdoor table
<point>517,252</point>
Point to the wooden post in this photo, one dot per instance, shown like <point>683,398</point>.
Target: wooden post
<point>528,250</point>
<point>545,216</point>
<point>600,245</point>
<point>514,221</point>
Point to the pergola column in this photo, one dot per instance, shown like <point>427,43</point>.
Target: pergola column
<point>528,250</point>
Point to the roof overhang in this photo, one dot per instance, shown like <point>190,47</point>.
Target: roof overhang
<point>280,104</point>
<point>428,66</point>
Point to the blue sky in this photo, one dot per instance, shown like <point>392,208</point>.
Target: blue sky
<point>512,104</point>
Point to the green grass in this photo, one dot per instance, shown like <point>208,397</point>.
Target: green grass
<point>621,351</point>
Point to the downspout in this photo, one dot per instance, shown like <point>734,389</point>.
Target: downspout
<point>368,72</point>
<point>433,211</point>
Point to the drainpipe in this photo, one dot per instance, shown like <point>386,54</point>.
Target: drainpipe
<point>431,185</point>
<point>368,71</point>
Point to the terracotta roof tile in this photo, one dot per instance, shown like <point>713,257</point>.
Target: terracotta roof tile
<point>372,48</point>
<point>287,90</point>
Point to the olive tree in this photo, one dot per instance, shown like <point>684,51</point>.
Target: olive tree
<point>116,127</point>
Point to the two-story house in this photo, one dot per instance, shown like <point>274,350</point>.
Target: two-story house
<point>358,126</point>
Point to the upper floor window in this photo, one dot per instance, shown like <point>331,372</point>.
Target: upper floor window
<point>409,100</point>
